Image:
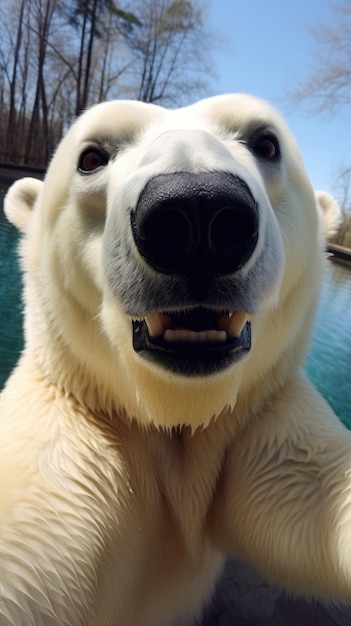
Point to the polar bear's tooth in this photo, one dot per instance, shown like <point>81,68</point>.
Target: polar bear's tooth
<point>157,323</point>
<point>171,335</point>
<point>154,325</point>
<point>223,320</point>
<point>237,323</point>
<point>216,335</point>
<point>192,336</point>
<point>234,324</point>
<point>228,325</point>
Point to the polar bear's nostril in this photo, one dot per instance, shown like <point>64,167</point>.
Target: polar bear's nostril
<point>189,223</point>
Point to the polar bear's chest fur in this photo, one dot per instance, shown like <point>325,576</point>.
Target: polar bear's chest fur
<point>141,512</point>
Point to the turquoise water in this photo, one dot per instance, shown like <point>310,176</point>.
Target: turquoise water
<point>328,363</point>
<point>11,336</point>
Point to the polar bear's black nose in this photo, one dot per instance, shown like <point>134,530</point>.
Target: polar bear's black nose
<point>189,223</point>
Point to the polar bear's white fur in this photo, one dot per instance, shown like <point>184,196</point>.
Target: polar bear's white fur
<point>158,418</point>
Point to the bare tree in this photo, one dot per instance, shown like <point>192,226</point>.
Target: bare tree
<point>169,64</point>
<point>328,88</point>
<point>14,38</point>
<point>59,56</point>
<point>342,191</point>
<point>342,188</point>
<point>87,17</point>
<point>329,85</point>
<point>43,12</point>
<point>13,77</point>
<point>26,28</point>
<point>49,71</point>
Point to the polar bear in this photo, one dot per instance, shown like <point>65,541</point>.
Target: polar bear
<point>158,418</point>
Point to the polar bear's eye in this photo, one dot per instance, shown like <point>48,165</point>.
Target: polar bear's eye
<point>91,160</point>
<point>267,147</point>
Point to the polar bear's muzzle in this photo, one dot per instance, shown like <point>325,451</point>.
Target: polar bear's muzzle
<point>201,227</point>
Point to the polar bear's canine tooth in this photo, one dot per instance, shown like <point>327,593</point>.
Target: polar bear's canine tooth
<point>157,323</point>
<point>230,325</point>
<point>233,324</point>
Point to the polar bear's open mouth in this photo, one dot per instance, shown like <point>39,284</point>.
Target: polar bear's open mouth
<point>194,342</point>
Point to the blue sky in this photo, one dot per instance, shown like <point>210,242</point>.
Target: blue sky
<point>266,50</point>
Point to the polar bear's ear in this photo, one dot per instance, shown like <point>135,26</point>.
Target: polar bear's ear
<point>329,211</point>
<point>20,200</point>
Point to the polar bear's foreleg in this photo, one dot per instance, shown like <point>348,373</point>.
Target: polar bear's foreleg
<point>285,501</point>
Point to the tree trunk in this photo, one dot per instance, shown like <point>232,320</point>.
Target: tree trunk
<point>11,126</point>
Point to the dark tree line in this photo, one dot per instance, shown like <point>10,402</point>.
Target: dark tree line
<point>57,57</point>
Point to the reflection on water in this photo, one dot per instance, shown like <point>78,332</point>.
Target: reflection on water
<point>328,363</point>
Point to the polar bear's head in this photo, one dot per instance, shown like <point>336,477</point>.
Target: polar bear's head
<point>172,259</point>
